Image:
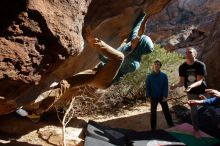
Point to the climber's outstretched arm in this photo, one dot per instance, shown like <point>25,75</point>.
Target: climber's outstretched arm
<point>156,7</point>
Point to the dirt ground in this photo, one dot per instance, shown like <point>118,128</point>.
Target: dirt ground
<point>48,131</point>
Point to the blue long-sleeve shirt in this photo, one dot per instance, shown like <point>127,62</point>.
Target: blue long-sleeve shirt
<point>157,85</point>
<point>212,101</point>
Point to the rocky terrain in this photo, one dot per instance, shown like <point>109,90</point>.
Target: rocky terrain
<point>42,41</point>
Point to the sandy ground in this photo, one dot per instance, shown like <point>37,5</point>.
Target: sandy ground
<point>48,131</point>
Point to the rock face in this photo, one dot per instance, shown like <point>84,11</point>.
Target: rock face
<point>36,37</point>
<point>192,23</point>
<point>211,54</point>
<point>42,40</point>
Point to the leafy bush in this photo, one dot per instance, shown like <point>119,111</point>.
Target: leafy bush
<point>132,85</point>
<point>130,89</point>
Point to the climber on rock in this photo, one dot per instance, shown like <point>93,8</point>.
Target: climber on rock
<point>114,64</point>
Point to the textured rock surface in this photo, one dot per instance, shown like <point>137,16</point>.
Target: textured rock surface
<point>211,53</point>
<point>191,23</point>
<point>35,39</point>
<point>41,41</point>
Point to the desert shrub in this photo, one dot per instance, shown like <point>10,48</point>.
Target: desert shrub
<point>132,85</point>
<point>130,90</point>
